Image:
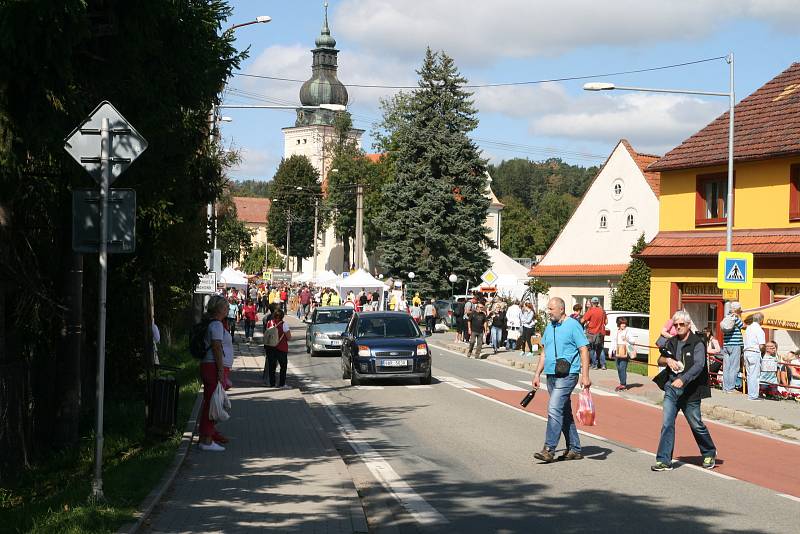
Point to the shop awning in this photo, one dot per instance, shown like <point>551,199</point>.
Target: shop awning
<point>783,315</point>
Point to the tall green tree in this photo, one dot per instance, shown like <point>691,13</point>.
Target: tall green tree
<point>254,261</point>
<point>633,291</point>
<point>435,209</point>
<point>519,231</point>
<point>294,206</point>
<point>175,61</point>
<point>234,238</point>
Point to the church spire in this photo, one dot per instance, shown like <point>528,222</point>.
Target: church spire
<point>325,40</point>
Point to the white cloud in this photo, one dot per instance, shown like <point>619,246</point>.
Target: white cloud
<point>521,100</point>
<point>478,32</point>
<point>255,164</point>
<point>653,123</point>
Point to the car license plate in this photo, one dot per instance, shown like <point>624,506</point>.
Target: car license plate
<point>394,363</point>
<point>335,342</point>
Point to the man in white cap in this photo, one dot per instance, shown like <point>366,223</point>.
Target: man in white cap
<point>732,345</point>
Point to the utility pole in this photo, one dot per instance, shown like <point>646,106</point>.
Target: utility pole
<point>288,233</point>
<point>359,245</point>
<point>316,229</point>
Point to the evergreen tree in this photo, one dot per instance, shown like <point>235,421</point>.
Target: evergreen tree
<point>289,203</point>
<point>633,291</point>
<point>435,209</point>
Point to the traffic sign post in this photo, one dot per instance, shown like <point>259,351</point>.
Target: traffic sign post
<point>106,125</point>
<point>735,270</point>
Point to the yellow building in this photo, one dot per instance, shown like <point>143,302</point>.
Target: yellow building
<point>766,211</point>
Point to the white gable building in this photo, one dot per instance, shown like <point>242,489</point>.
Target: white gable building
<point>593,249</point>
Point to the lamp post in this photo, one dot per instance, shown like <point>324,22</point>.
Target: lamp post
<point>411,276</point>
<point>604,86</point>
<point>453,278</point>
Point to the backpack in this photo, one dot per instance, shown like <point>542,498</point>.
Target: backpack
<point>197,339</point>
<point>728,323</point>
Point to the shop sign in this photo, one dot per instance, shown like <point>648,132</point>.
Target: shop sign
<point>786,290</point>
<point>730,294</point>
<point>701,289</point>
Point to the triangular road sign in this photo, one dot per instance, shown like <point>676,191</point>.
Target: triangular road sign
<point>735,273</point>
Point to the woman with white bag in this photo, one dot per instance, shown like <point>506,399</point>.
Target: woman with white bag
<point>212,369</point>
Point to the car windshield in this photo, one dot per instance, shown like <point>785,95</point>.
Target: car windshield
<point>387,327</point>
<point>333,316</point>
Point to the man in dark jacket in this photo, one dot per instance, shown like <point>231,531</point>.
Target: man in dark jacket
<point>686,385</point>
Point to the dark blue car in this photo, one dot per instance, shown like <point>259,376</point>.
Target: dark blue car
<point>384,345</point>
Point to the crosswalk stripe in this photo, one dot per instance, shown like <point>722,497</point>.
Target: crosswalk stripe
<point>419,386</point>
<point>499,384</point>
<point>367,388</point>
<point>526,382</point>
<point>453,381</point>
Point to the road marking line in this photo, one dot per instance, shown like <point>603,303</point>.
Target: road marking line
<point>420,386</point>
<point>418,507</point>
<point>366,388</point>
<point>424,513</point>
<point>791,497</point>
<point>455,382</point>
<point>499,384</point>
<point>602,393</point>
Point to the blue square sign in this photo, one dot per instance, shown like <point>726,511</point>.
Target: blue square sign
<point>735,270</point>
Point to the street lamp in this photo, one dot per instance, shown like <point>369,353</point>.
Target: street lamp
<point>453,278</point>
<point>605,86</point>
<point>262,19</point>
<point>411,276</point>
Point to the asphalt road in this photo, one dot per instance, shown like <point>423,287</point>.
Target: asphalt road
<point>456,456</point>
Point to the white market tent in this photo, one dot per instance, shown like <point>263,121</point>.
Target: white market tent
<point>301,277</point>
<point>233,278</point>
<point>512,277</point>
<point>361,279</point>
<point>326,279</point>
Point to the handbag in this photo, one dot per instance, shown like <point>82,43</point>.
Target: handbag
<point>272,337</point>
<point>513,333</point>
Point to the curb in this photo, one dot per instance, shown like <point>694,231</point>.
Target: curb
<point>154,497</point>
<point>713,411</point>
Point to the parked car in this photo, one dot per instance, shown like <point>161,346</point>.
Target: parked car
<point>325,327</point>
<point>638,324</point>
<point>384,345</point>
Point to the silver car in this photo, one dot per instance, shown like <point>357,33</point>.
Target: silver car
<point>325,327</point>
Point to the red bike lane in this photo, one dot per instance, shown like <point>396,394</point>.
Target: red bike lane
<point>743,455</point>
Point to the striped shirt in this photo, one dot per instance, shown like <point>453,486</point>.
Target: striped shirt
<point>734,337</point>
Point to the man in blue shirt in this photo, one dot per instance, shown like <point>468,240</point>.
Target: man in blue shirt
<point>563,339</point>
<point>732,346</point>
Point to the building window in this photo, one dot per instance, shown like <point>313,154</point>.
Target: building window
<point>794,193</point>
<point>602,221</point>
<point>617,189</point>
<point>711,206</point>
<point>629,221</point>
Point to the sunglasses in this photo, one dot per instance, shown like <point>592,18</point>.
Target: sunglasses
<point>681,324</point>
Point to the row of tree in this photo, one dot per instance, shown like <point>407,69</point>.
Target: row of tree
<point>162,65</point>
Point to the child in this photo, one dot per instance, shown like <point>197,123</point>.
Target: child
<point>625,350</point>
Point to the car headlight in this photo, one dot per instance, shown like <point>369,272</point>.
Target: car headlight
<point>422,349</point>
<point>363,351</point>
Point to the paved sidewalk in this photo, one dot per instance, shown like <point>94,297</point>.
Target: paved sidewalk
<point>280,472</point>
<point>779,417</point>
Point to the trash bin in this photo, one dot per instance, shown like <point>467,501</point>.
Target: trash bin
<point>161,409</point>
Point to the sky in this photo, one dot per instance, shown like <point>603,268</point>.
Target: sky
<point>383,42</point>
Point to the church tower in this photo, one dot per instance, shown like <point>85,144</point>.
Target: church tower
<point>314,129</point>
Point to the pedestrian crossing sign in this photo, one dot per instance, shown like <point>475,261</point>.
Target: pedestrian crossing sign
<point>735,270</point>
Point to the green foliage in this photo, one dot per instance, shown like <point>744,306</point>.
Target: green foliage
<point>250,188</point>
<point>254,261</point>
<point>539,198</point>
<point>289,203</point>
<point>234,238</point>
<point>633,291</point>
<point>162,65</point>
<point>435,208</point>
<point>352,168</point>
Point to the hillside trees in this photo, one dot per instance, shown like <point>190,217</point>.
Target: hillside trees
<point>435,208</point>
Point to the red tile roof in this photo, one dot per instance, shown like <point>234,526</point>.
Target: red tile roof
<point>252,209</point>
<point>778,241</point>
<point>374,158</point>
<point>578,270</point>
<point>644,161</point>
<point>766,126</point>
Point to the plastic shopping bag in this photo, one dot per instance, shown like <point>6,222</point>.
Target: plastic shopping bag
<point>586,415</point>
<point>218,405</point>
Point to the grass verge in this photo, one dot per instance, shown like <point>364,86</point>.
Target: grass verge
<point>53,496</point>
<point>634,366</point>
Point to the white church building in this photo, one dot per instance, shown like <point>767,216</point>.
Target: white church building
<point>593,249</point>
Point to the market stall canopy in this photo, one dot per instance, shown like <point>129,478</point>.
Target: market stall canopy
<point>783,315</point>
<point>301,277</point>
<point>232,277</point>
<point>326,279</point>
<point>360,279</point>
